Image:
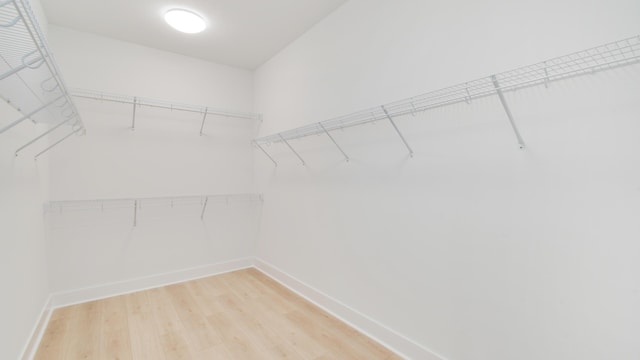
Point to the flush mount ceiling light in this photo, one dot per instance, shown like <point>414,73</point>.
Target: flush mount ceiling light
<point>185,21</point>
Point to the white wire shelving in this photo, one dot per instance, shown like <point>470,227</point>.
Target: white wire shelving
<point>139,205</point>
<point>30,80</point>
<point>138,102</point>
<point>607,56</point>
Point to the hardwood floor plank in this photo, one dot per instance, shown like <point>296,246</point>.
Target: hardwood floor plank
<point>52,345</point>
<point>164,313</point>
<point>115,341</point>
<point>236,341</point>
<point>143,333</point>
<point>238,315</point>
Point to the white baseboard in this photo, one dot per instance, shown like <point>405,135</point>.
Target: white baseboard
<point>31,346</point>
<point>82,295</point>
<point>394,341</point>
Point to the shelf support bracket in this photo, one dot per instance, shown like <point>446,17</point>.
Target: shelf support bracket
<point>266,153</point>
<point>135,213</point>
<point>204,117</point>
<point>398,131</point>
<point>292,149</point>
<point>496,85</point>
<point>133,121</point>
<point>204,207</point>
<point>334,141</point>
<point>42,135</point>
<point>57,142</point>
<point>25,117</point>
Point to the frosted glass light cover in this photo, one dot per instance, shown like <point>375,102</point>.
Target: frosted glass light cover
<point>185,21</point>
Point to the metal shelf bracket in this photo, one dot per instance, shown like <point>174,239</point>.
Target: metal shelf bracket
<point>292,149</point>
<point>42,135</point>
<point>265,152</point>
<point>334,142</point>
<point>204,118</point>
<point>508,111</point>
<point>135,213</point>
<point>24,50</point>
<point>612,55</point>
<point>58,142</point>
<point>397,130</point>
<point>25,117</point>
<point>133,120</point>
<point>204,207</point>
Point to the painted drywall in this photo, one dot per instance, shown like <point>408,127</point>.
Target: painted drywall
<point>96,244</point>
<point>100,63</point>
<point>164,156</point>
<point>473,248</point>
<point>23,187</point>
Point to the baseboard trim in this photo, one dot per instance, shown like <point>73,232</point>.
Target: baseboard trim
<point>391,339</point>
<point>30,348</point>
<point>66,298</point>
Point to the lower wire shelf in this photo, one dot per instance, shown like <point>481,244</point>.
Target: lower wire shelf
<point>197,205</point>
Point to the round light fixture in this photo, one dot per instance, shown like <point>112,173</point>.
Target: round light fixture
<point>185,21</point>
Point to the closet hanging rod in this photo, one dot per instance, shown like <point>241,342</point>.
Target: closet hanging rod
<point>160,104</point>
<point>607,56</point>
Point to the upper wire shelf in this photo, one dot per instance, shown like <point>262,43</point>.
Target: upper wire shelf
<point>161,104</point>
<point>607,56</point>
<point>30,80</point>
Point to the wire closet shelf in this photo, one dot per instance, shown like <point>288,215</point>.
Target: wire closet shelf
<point>160,104</point>
<point>140,204</point>
<point>30,80</point>
<point>607,56</point>
<point>137,102</point>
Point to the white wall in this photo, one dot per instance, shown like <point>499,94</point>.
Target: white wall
<point>22,237</point>
<point>95,244</point>
<point>473,249</point>
<point>164,156</point>
<point>23,188</point>
<point>100,63</point>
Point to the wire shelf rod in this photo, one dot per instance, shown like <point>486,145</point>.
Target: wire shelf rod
<point>507,110</point>
<point>73,131</point>
<point>607,56</point>
<point>202,201</point>
<point>346,157</point>
<point>204,118</point>
<point>266,153</point>
<point>37,38</point>
<point>52,129</point>
<point>160,104</point>
<point>26,116</point>
<point>398,131</point>
<point>26,83</point>
<point>294,151</point>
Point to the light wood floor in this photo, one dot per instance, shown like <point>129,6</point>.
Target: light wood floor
<point>239,315</point>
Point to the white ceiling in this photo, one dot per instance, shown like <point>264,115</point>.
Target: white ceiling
<point>243,33</point>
